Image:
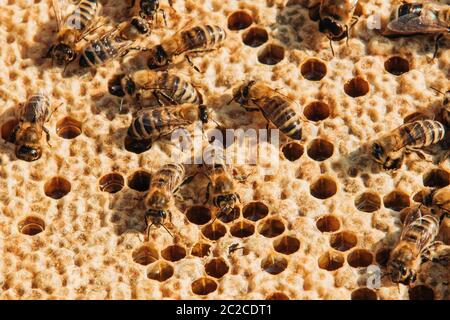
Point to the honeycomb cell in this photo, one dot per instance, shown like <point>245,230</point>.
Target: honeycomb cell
<point>436,178</point>
<point>317,111</point>
<point>198,215</point>
<point>173,253</point>
<point>242,229</point>
<point>7,130</point>
<point>343,241</point>
<point>396,200</point>
<point>239,20</point>
<point>396,65</point>
<point>255,211</point>
<point>292,151</point>
<point>68,128</point>
<point>214,231</point>
<point>356,87</point>
<point>328,223</point>
<point>271,54</point>
<point>331,261</point>
<point>364,294</point>
<point>255,37</point>
<point>320,149</point>
<point>382,256</point>
<point>314,69</point>
<point>145,255</point>
<point>368,202</point>
<point>359,258</point>
<point>271,228</point>
<point>216,268</point>
<point>200,249</point>
<point>323,188</point>
<point>231,216</point>
<point>137,146</point>
<point>139,181</point>
<point>57,187</point>
<point>421,292</point>
<point>204,286</point>
<point>286,245</point>
<point>111,183</point>
<point>277,296</point>
<point>31,226</point>
<point>274,264</point>
<point>160,271</point>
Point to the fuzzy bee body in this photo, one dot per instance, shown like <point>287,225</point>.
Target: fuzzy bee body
<point>28,132</point>
<point>72,29</point>
<point>160,198</point>
<point>419,231</point>
<point>389,150</point>
<point>276,108</point>
<point>143,85</point>
<point>191,39</point>
<point>153,123</point>
<point>439,201</point>
<point>335,17</point>
<point>114,43</point>
<point>437,252</point>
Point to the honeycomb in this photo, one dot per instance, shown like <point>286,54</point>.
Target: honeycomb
<point>72,223</point>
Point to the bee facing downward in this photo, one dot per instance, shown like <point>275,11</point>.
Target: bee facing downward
<point>276,108</point>
<point>72,29</point>
<point>390,149</point>
<point>190,39</point>
<point>419,232</point>
<point>27,134</point>
<point>335,18</point>
<point>160,199</point>
<point>420,18</point>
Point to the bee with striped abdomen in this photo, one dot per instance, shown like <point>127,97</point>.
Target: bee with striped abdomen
<point>420,18</point>
<point>221,189</point>
<point>165,88</point>
<point>27,135</point>
<point>153,123</point>
<point>114,43</point>
<point>71,29</point>
<point>190,39</point>
<point>336,18</point>
<point>390,149</point>
<point>419,231</point>
<point>438,252</point>
<point>149,9</point>
<point>160,198</point>
<point>282,112</point>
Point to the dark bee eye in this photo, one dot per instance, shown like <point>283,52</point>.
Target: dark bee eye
<point>203,114</point>
<point>115,86</point>
<point>330,27</point>
<point>28,153</point>
<point>377,151</point>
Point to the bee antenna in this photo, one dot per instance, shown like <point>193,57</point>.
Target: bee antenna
<point>438,91</point>
<point>148,231</point>
<point>331,46</point>
<point>121,105</point>
<point>166,229</point>
<point>232,99</point>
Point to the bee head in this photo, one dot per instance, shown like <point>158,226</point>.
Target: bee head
<point>333,30</point>
<point>149,7</point>
<point>403,275</point>
<point>242,95</point>
<point>28,152</point>
<point>225,202</point>
<point>377,152</point>
<point>140,25</point>
<point>62,54</point>
<point>155,216</point>
<point>121,85</point>
<point>203,113</point>
<point>158,57</point>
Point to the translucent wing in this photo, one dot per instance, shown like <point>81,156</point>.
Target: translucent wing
<point>413,23</point>
<point>77,20</point>
<point>57,8</point>
<point>178,37</point>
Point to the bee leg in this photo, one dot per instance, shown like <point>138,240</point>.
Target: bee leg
<point>168,97</point>
<point>155,94</point>
<point>47,135</point>
<point>188,59</point>
<point>331,46</point>
<point>436,45</point>
<point>422,155</point>
<point>164,16</point>
<point>207,194</point>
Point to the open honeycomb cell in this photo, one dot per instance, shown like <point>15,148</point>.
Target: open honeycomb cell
<point>73,223</point>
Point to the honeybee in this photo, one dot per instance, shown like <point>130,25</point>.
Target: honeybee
<point>190,39</point>
<point>335,18</point>
<point>145,84</point>
<point>419,231</point>
<point>389,150</point>
<point>420,18</point>
<point>28,132</point>
<point>438,200</point>
<point>222,189</point>
<point>114,43</point>
<point>282,112</point>
<point>160,198</point>
<point>437,252</point>
<point>74,27</point>
<point>149,9</point>
<point>153,123</point>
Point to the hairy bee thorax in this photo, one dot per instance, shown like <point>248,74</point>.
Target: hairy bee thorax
<point>158,57</point>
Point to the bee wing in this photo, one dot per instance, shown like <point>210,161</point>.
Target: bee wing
<point>182,47</point>
<point>277,92</point>
<point>413,23</point>
<point>58,12</point>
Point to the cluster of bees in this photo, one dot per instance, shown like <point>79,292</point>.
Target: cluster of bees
<point>180,105</point>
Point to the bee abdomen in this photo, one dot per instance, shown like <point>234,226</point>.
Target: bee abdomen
<point>81,16</point>
<point>170,174</point>
<point>422,227</point>
<point>217,35</point>
<point>98,52</point>
<point>203,36</point>
<point>181,91</point>
<point>422,133</point>
<point>284,116</point>
<point>36,108</point>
